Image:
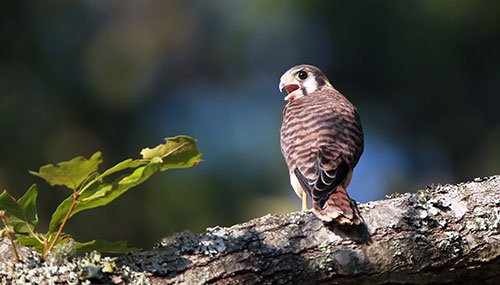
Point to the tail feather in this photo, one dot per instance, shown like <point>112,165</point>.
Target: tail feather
<point>339,208</point>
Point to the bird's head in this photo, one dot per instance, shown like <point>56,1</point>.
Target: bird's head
<point>302,80</point>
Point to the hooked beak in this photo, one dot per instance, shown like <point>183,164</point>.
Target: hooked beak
<point>289,88</point>
<point>282,85</point>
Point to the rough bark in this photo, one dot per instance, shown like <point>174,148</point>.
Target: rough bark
<point>442,234</point>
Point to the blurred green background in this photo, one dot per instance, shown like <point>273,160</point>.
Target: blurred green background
<point>117,76</point>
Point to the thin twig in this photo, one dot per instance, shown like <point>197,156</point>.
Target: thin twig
<point>66,218</point>
<point>9,234</point>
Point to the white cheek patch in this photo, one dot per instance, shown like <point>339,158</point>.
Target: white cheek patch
<point>310,85</point>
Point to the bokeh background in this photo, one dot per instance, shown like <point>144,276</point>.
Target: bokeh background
<point>117,76</point>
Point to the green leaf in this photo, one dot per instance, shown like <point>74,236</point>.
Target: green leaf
<point>28,205</point>
<point>30,241</point>
<point>27,240</point>
<point>18,225</point>
<point>176,152</point>
<point>128,163</point>
<point>9,204</point>
<point>70,173</point>
<point>23,212</point>
<point>106,246</point>
<point>101,194</point>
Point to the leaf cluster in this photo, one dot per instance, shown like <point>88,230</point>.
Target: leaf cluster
<point>89,189</point>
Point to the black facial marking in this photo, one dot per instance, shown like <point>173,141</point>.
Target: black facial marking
<point>319,77</point>
<point>320,81</point>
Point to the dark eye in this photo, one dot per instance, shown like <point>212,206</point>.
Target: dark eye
<point>302,74</point>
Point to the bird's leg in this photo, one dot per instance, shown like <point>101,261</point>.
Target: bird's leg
<point>304,201</point>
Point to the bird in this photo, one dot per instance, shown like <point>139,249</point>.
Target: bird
<point>321,141</point>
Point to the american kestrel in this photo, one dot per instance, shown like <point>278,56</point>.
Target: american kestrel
<point>322,141</point>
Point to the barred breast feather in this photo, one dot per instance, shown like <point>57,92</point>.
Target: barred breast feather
<point>322,141</point>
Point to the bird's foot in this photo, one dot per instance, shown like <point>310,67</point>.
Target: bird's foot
<point>304,202</point>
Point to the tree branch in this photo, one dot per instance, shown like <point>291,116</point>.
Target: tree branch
<point>442,234</point>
